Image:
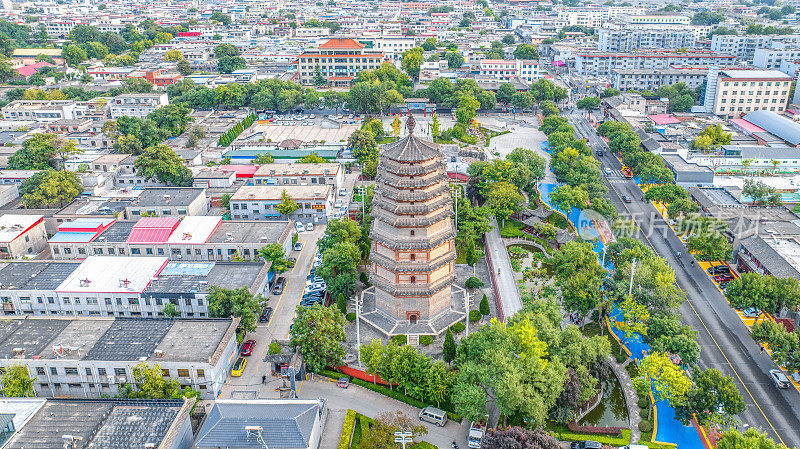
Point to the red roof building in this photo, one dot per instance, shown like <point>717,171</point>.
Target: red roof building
<point>338,61</point>
<point>153,230</point>
<point>29,70</point>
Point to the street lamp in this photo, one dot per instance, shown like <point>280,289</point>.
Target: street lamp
<point>358,329</point>
<point>403,438</point>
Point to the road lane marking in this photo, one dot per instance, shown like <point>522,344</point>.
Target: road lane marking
<point>689,301</point>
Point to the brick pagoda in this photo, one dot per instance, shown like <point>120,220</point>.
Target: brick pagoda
<point>413,253</point>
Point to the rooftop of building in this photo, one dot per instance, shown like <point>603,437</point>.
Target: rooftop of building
<point>116,339</point>
<point>252,232</point>
<point>755,74</point>
<point>322,169</point>
<point>112,274</point>
<point>35,275</point>
<point>284,423</point>
<point>342,44</point>
<point>153,229</point>
<point>181,278</point>
<point>274,193</point>
<point>12,225</point>
<point>785,128</point>
<point>96,206</point>
<point>195,229</point>
<point>167,196</point>
<point>98,423</point>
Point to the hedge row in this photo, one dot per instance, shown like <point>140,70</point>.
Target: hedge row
<point>387,392</point>
<point>347,430</point>
<point>595,430</point>
<point>231,135</point>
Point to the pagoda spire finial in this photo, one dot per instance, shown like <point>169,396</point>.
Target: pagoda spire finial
<point>410,123</point>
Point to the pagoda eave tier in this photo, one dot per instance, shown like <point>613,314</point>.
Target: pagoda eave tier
<point>393,180</point>
<point>401,221</point>
<point>407,208</point>
<point>414,195</point>
<point>392,242</point>
<point>410,290</point>
<point>412,267</point>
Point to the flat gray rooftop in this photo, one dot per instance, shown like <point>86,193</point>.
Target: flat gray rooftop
<point>229,275</point>
<point>129,339</point>
<point>32,336</point>
<point>102,424</point>
<point>35,275</point>
<point>251,232</point>
<point>178,196</point>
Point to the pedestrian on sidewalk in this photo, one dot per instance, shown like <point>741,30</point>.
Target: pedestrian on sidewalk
<point>264,379</point>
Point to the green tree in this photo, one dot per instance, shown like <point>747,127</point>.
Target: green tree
<point>508,39</point>
<point>73,55</point>
<point>505,92</point>
<point>149,383</point>
<point>504,199</point>
<point>412,61</point>
<point>173,55</point>
<point>435,125</point>
<point>128,144</point>
<point>484,306</point>
<point>221,18</point>
<point>706,238</point>
<point>262,159</point>
<point>588,103</point>
<point>454,59</point>
<point>42,152</point>
<point>565,197</point>
<point>184,67</point>
<point>751,438</point>
<point>429,44</point>
<point>449,347</point>
<point>341,303</point>
<point>240,303</point>
<point>172,117</point>
<point>669,381</point>
<point>311,158</point>
<point>338,268</point>
<point>170,311</point>
<point>467,108</point>
<point>318,334</point>
<point>287,205</point>
<point>160,162</point>
<point>761,193</point>
<point>229,64</point>
<point>50,188</point>
<point>276,255</point>
<point>579,276</point>
<point>714,399</point>
<point>526,51</point>
<point>16,382</point>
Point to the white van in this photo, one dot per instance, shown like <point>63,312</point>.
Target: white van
<point>433,415</point>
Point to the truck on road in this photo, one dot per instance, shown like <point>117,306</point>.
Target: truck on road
<point>475,436</point>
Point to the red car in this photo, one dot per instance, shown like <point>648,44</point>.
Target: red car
<point>723,278</point>
<point>247,348</point>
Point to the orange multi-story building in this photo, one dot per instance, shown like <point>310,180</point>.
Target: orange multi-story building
<point>339,61</point>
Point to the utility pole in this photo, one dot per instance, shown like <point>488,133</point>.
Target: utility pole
<point>466,321</point>
<point>358,330</point>
<point>604,256</point>
<point>403,438</point>
<point>633,270</point>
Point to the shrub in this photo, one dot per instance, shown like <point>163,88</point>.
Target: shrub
<point>474,315</point>
<point>274,348</point>
<point>347,430</point>
<point>364,278</point>
<point>473,283</point>
<point>421,445</point>
<point>484,306</point>
<point>645,426</point>
<point>644,413</point>
<point>351,316</point>
<point>620,357</point>
<point>394,394</point>
<point>594,430</point>
<point>425,340</point>
<point>515,265</point>
<point>644,403</point>
<point>458,327</point>
<point>400,339</point>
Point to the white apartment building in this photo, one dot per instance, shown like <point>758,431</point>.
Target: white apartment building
<point>649,79</point>
<point>771,58</point>
<point>504,69</point>
<point>596,17</point>
<point>44,111</point>
<point>136,104</point>
<point>734,93</point>
<point>259,202</point>
<point>602,63</point>
<point>744,46</point>
<point>623,39</point>
<point>658,19</point>
<point>90,357</point>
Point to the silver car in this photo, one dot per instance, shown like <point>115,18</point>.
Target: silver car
<point>778,378</point>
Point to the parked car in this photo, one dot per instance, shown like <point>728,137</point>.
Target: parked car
<point>266,314</point>
<point>309,227</point>
<point>586,445</point>
<point>338,204</point>
<point>290,262</point>
<point>238,367</point>
<point>778,378</point>
<point>723,285</point>
<point>718,269</point>
<point>599,153</point>
<point>280,283</point>
<point>299,227</point>
<point>723,277</point>
<point>298,246</point>
<point>626,198</point>
<point>342,192</point>
<point>247,348</point>
<point>751,312</point>
<point>343,382</point>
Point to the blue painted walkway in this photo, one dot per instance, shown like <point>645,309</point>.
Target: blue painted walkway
<point>669,428</point>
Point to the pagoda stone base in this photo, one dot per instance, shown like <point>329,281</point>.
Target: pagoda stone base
<point>388,325</point>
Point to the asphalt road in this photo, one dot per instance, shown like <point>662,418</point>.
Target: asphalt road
<point>724,340</point>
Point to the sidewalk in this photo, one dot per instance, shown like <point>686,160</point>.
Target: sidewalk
<point>506,288</point>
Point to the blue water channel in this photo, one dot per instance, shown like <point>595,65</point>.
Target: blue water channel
<point>670,429</point>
